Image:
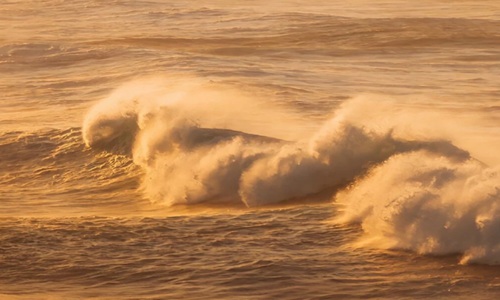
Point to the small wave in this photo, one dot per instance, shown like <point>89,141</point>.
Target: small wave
<point>330,35</point>
<point>18,146</point>
<point>48,169</point>
<point>37,54</point>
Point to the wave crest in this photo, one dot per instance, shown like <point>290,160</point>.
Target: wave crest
<point>186,160</point>
<point>410,188</point>
<point>429,204</point>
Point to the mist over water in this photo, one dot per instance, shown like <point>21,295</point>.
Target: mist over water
<point>230,150</point>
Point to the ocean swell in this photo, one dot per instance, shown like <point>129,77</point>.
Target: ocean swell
<point>171,131</point>
<point>409,189</point>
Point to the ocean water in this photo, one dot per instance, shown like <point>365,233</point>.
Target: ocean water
<point>249,149</point>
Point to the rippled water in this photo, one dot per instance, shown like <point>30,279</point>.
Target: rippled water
<point>289,253</point>
<point>223,150</point>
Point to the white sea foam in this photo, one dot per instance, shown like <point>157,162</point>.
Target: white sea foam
<point>430,204</point>
<point>407,185</point>
<point>433,200</point>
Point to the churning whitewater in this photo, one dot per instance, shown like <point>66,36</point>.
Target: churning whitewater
<point>419,194</point>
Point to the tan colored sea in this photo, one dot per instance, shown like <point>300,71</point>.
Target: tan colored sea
<point>159,149</point>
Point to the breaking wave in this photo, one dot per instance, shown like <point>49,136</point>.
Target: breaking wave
<point>201,142</point>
